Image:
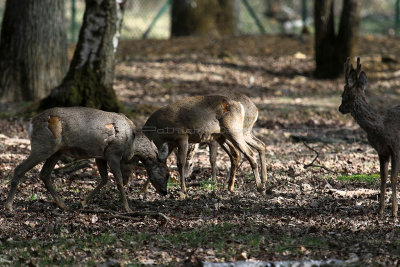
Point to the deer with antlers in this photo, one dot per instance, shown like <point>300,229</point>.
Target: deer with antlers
<point>382,128</point>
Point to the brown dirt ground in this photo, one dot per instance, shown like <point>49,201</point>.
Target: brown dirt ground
<point>310,214</point>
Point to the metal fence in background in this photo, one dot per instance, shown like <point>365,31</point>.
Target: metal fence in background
<point>151,18</point>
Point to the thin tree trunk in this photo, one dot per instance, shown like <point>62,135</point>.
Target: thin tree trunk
<point>33,49</point>
<point>348,30</point>
<point>203,17</point>
<point>331,49</point>
<point>89,81</point>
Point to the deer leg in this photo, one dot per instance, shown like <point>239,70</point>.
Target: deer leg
<point>114,163</point>
<point>393,180</point>
<point>102,166</point>
<point>258,145</point>
<point>233,154</point>
<point>146,186</point>
<point>126,175</point>
<point>181,161</point>
<point>20,170</point>
<point>384,163</point>
<point>238,141</point>
<point>45,175</point>
<point>189,160</point>
<point>213,147</point>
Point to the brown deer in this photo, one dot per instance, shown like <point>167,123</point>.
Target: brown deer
<point>79,132</point>
<point>250,117</point>
<point>202,119</point>
<point>382,128</point>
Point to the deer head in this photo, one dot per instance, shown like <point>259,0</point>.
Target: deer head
<point>355,85</point>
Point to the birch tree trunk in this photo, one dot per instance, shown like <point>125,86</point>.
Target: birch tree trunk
<point>33,49</point>
<point>89,81</point>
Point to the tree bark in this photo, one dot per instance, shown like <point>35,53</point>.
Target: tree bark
<point>331,49</point>
<point>203,17</point>
<point>89,81</point>
<point>33,49</point>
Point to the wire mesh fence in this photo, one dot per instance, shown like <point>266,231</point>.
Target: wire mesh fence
<point>151,18</point>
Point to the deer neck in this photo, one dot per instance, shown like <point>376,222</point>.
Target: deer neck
<point>366,116</point>
<point>143,149</point>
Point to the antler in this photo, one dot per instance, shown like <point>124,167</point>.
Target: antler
<point>358,66</point>
<point>347,68</point>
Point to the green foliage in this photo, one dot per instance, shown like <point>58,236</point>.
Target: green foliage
<point>172,183</point>
<point>94,248</point>
<point>208,184</point>
<point>369,178</point>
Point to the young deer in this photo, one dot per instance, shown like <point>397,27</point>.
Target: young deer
<point>202,119</point>
<point>80,132</point>
<point>382,128</point>
<point>250,117</point>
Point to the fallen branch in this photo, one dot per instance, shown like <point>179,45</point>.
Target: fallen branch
<point>354,193</point>
<point>126,216</point>
<point>315,158</point>
<point>194,184</point>
<point>121,217</point>
<point>149,213</point>
<point>314,139</point>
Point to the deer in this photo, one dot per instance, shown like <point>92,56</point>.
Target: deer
<point>203,119</point>
<point>250,117</point>
<point>382,128</point>
<point>82,133</point>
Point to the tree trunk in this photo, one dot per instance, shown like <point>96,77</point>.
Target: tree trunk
<point>331,49</point>
<point>203,17</point>
<point>33,49</point>
<point>89,81</point>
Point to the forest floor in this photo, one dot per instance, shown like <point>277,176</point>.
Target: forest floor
<point>325,197</point>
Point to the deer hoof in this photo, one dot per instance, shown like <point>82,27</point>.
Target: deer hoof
<point>128,210</point>
<point>143,190</point>
<point>181,195</point>
<point>8,206</point>
<point>380,212</point>
<point>62,206</point>
<point>260,190</point>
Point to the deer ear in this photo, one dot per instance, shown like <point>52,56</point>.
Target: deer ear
<point>352,78</point>
<point>163,152</point>
<point>362,80</point>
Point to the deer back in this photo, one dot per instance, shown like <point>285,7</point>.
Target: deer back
<point>251,110</point>
<point>198,117</point>
<point>82,132</point>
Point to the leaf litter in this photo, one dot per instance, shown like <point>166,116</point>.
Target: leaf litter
<point>309,214</point>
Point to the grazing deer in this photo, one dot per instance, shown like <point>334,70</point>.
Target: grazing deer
<point>250,117</point>
<point>201,119</point>
<point>382,128</point>
<point>79,132</point>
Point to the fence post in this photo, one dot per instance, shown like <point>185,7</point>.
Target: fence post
<point>254,16</point>
<point>397,17</point>
<point>304,12</point>
<point>158,15</point>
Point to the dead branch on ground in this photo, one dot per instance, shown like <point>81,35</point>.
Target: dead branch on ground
<point>127,216</point>
<point>315,158</point>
